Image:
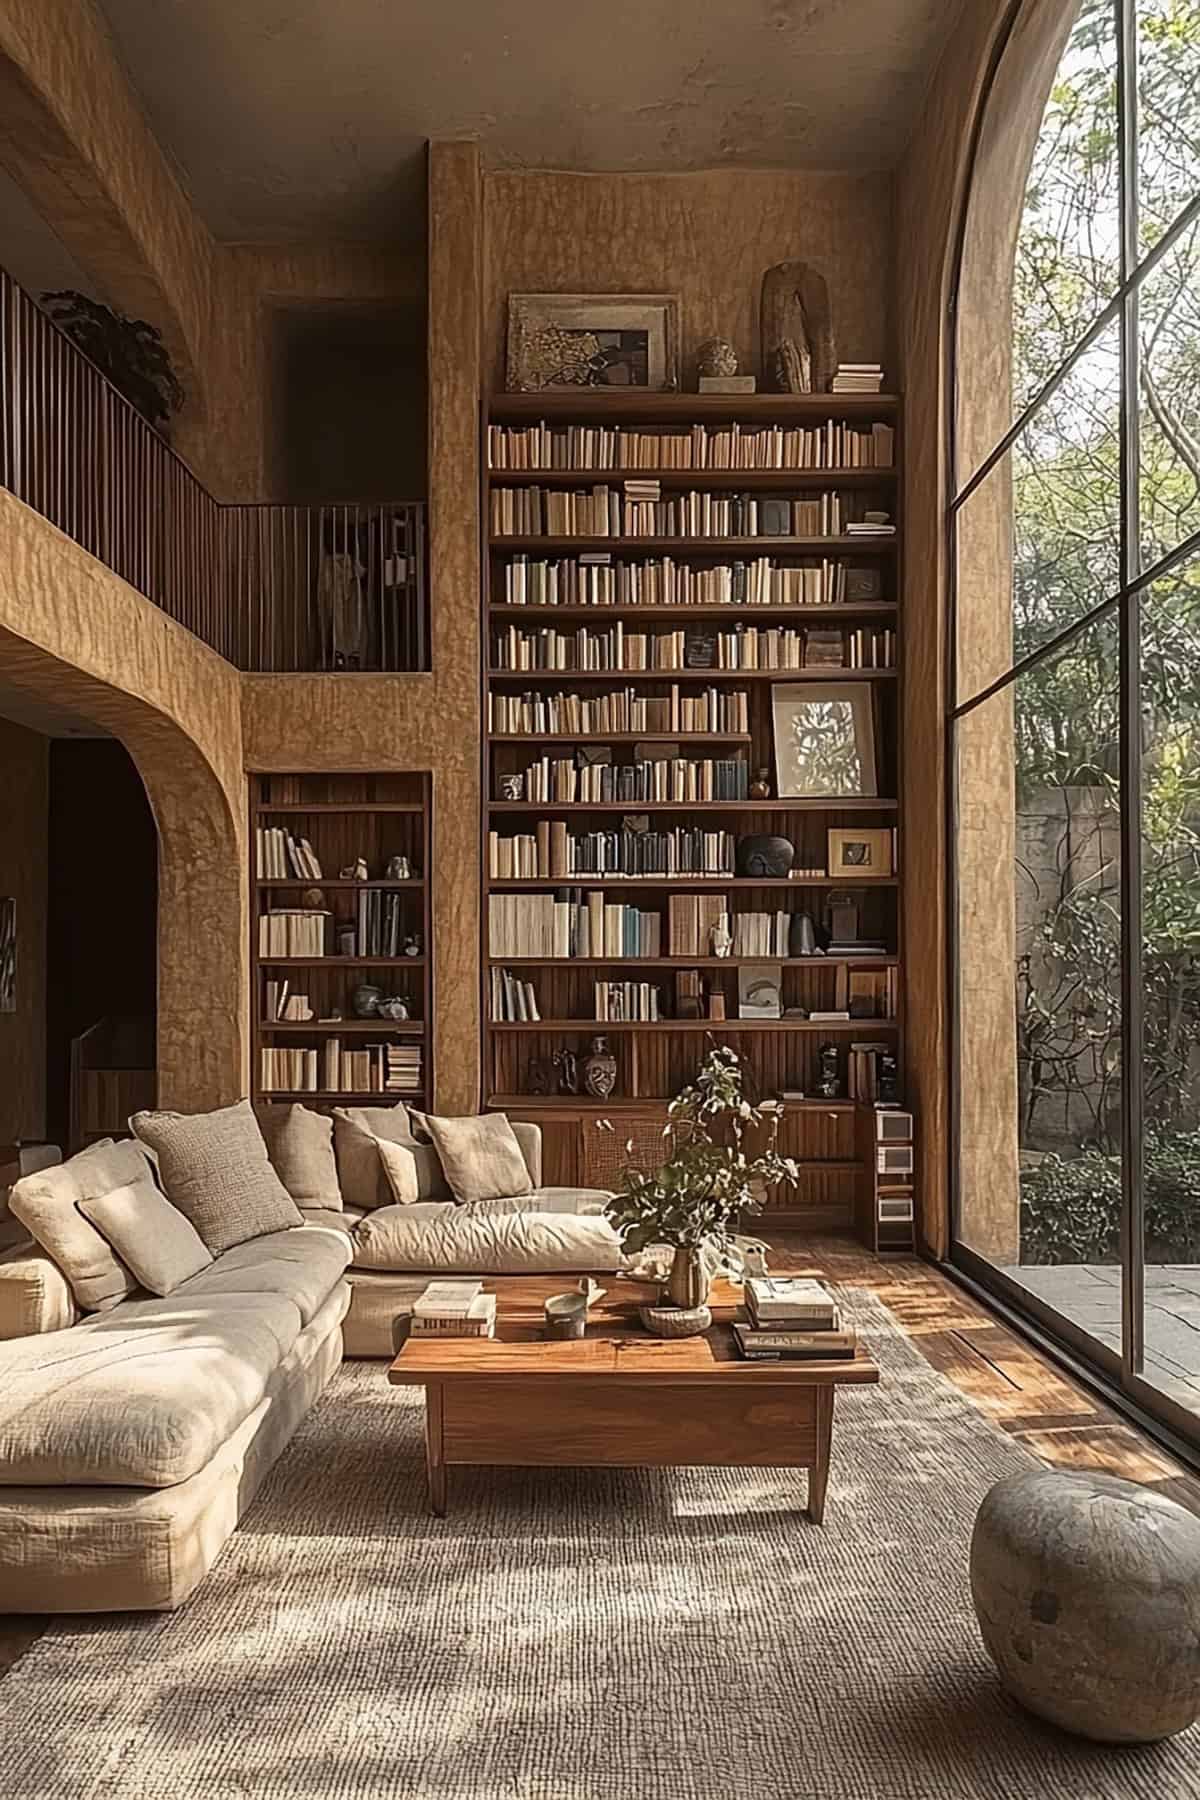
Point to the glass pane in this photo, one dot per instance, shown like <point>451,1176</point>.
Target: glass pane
<point>1171,981</point>
<point>1168,137</point>
<point>1169,397</point>
<point>1039,959</point>
<point>1069,245</point>
<point>1039,539</point>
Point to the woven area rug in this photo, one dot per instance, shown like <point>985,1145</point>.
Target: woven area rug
<point>575,1635</point>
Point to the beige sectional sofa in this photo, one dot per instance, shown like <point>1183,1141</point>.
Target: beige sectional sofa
<point>132,1438</point>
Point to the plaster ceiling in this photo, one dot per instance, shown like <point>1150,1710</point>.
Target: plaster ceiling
<point>298,118</point>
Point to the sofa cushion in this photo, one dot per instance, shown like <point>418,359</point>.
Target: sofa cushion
<point>35,1295</point>
<point>357,1131</point>
<point>579,1201</point>
<point>399,1163</point>
<point>140,1397</point>
<point>160,1247</point>
<point>300,1145</point>
<point>480,1240</point>
<point>480,1156</point>
<point>214,1168</point>
<point>344,1219</point>
<point>301,1266</point>
<point>47,1204</point>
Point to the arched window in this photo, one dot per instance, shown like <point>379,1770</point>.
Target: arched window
<point>1075,684</point>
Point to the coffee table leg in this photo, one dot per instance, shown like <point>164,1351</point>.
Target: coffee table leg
<point>435,1467</point>
<point>818,1475</point>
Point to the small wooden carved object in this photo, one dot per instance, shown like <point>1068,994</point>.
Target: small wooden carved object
<point>798,352</point>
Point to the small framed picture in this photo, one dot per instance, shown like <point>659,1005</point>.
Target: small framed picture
<point>759,991</point>
<point>824,740</point>
<point>592,341</point>
<point>860,852</point>
<point>864,584</point>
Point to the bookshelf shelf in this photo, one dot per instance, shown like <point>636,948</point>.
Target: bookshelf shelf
<point>656,1057</point>
<point>739,480</point>
<point>854,804</point>
<point>707,676</point>
<point>343,817</point>
<point>705,546</point>
<point>604,1027</point>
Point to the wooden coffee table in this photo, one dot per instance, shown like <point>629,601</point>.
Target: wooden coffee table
<point>619,1398</point>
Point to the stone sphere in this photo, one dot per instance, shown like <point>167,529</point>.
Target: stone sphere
<point>1087,1592</point>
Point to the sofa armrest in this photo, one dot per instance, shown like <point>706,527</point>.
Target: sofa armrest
<point>530,1139</point>
<point>35,1295</point>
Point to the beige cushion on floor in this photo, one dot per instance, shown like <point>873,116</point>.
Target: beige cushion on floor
<point>140,1397</point>
<point>400,1171</point>
<point>470,1240</point>
<point>47,1204</point>
<point>151,1236</point>
<point>214,1168</point>
<point>356,1134</point>
<point>480,1156</point>
<point>300,1266</point>
<point>35,1295</point>
<point>300,1145</point>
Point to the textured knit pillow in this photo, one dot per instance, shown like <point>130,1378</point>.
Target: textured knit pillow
<point>300,1145</point>
<point>214,1168</point>
<point>480,1157</point>
<point>151,1236</point>
<point>47,1204</point>
<point>399,1163</point>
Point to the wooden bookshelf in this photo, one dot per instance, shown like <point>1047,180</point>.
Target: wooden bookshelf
<point>343,817</point>
<point>656,1057</point>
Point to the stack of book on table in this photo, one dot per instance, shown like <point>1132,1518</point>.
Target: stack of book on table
<point>791,1318</point>
<point>454,1309</point>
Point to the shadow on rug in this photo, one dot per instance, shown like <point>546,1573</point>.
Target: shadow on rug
<point>573,1635</point>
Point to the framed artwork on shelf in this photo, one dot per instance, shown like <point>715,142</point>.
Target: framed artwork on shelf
<point>866,851</point>
<point>759,992</point>
<point>824,740</point>
<point>558,341</point>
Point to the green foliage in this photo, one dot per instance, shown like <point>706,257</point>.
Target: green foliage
<point>129,352</point>
<point>1071,1206</point>
<point>711,1177</point>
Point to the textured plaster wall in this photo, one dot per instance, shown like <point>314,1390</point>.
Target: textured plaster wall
<point>708,237</point>
<point>73,632</point>
<point>24,808</point>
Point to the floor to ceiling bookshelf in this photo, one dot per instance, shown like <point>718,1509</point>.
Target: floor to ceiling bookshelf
<point>318,935</point>
<point>544,585</point>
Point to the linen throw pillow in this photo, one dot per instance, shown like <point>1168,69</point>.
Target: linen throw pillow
<point>400,1169</point>
<point>480,1157</point>
<point>215,1169</point>
<point>151,1236</point>
<point>47,1204</point>
<point>357,1133</point>
<point>300,1146</point>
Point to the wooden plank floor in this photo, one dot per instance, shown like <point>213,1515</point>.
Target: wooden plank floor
<point>1058,1421</point>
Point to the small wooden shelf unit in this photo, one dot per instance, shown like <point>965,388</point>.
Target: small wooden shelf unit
<point>827,1137</point>
<point>344,817</point>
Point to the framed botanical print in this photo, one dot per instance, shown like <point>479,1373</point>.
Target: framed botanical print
<point>824,740</point>
<point>862,851</point>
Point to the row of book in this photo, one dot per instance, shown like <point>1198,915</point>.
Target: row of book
<point>871,1072</point>
<point>604,511</point>
<point>832,445</point>
<point>747,647</point>
<point>281,857</point>
<point>595,580</point>
<point>554,853</point>
<point>513,998</point>
<point>618,1001</point>
<point>379,923</point>
<point>280,1003</point>
<point>292,931</point>
<point>676,779</point>
<point>336,1069</point>
<point>570,924</point>
<point>625,712</point>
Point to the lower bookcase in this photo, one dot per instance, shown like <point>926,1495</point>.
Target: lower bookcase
<point>341,989</point>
